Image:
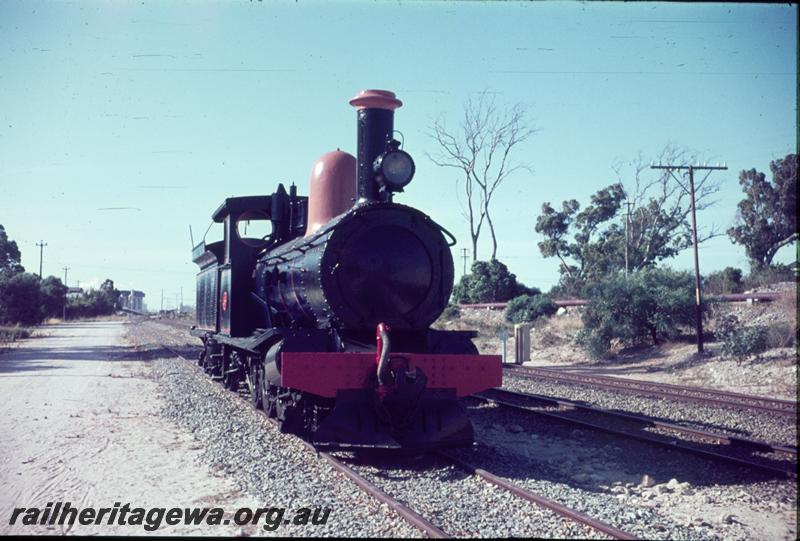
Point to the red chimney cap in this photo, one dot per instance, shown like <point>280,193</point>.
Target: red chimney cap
<point>376,99</point>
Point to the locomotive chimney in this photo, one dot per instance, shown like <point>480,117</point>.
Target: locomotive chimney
<point>375,129</point>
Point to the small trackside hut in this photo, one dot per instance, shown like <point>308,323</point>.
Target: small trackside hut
<point>326,319</point>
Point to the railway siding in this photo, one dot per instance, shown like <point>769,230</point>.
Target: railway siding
<point>726,420</point>
<point>735,449</point>
<point>647,490</point>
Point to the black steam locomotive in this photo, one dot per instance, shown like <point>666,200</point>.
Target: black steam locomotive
<point>326,319</point>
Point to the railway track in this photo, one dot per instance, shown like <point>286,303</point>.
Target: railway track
<point>541,501</point>
<point>418,521</point>
<point>741,451</point>
<point>711,397</point>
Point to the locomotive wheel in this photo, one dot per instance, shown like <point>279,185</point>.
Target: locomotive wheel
<point>254,378</point>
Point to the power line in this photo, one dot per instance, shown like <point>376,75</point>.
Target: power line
<point>697,293</point>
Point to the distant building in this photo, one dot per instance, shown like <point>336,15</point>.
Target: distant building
<point>73,292</point>
<point>132,300</point>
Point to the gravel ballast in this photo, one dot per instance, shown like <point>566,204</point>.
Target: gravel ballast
<point>644,489</point>
<point>464,505</point>
<point>742,422</point>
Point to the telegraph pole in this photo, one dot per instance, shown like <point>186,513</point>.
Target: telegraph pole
<point>41,244</point>
<point>465,256</point>
<point>627,222</point>
<point>697,293</point>
<point>64,312</point>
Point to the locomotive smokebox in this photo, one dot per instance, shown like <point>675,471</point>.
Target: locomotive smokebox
<point>375,129</point>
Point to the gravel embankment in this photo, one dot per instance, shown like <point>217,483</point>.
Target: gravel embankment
<point>649,491</point>
<point>464,505</point>
<point>245,447</point>
<point>776,429</point>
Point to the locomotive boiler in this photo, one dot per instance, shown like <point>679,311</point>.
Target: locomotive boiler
<point>326,319</point>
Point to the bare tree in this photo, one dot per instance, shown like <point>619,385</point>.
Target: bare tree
<point>481,149</point>
<point>661,206</point>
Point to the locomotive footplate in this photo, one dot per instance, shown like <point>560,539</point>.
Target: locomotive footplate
<point>416,406</point>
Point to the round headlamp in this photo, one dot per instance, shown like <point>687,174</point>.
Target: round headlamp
<point>394,169</point>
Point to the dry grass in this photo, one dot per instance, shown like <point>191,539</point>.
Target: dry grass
<point>12,333</point>
<point>557,330</point>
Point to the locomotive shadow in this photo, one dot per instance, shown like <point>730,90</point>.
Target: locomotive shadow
<point>555,451</point>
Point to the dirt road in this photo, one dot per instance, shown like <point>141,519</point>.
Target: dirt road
<point>79,424</point>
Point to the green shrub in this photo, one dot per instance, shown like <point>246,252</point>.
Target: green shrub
<point>764,276</point>
<point>725,281</point>
<point>20,299</point>
<point>650,305</point>
<point>527,308</point>
<point>94,302</point>
<point>489,281</point>
<point>740,342</point>
<point>596,344</point>
<point>54,296</point>
<point>781,335</point>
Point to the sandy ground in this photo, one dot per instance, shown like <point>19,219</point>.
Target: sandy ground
<point>80,424</point>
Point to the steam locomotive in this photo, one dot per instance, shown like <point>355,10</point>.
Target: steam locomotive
<point>326,319</point>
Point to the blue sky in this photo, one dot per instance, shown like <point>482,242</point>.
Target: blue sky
<point>168,107</point>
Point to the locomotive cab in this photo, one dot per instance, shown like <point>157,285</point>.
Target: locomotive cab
<point>226,266</point>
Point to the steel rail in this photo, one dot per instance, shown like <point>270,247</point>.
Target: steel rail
<point>688,394</point>
<point>406,513</point>
<point>677,388</point>
<point>541,501</point>
<point>766,296</point>
<point>791,473</point>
